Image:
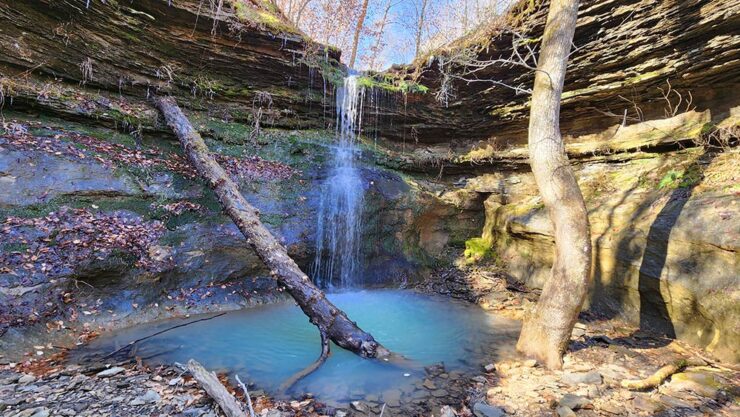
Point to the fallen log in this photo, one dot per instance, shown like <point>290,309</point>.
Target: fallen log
<point>321,312</point>
<point>215,389</point>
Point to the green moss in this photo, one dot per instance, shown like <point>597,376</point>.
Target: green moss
<point>689,177</point>
<point>267,14</point>
<point>390,83</point>
<point>227,132</point>
<point>272,219</point>
<point>139,205</point>
<point>329,68</point>
<point>478,249</point>
<point>14,247</point>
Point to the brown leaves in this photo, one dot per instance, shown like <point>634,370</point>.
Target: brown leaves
<point>254,167</point>
<point>78,146</point>
<point>60,241</point>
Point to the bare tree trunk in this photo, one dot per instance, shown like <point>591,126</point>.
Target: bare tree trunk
<point>420,26</point>
<point>379,38</point>
<point>330,320</point>
<point>299,15</point>
<point>546,331</point>
<point>358,32</point>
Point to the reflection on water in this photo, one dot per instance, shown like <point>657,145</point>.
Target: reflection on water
<point>267,344</point>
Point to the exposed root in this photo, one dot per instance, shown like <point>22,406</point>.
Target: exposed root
<point>325,351</point>
<point>247,397</point>
<point>660,375</point>
<point>134,342</point>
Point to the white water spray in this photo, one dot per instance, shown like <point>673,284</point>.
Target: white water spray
<point>338,257</point>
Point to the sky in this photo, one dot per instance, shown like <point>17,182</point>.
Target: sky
<point>446,21</point>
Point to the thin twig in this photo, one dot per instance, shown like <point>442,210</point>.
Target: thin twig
<point>132,343</point>
<point>246,395</point>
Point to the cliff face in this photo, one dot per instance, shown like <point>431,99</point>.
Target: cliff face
<point>103,221</point>
<point>627,50</point>
<point>99,228</point>
<point>104,61</point>
<point>82,150</point>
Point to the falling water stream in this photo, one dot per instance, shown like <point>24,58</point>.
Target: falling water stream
<point>338,257</point>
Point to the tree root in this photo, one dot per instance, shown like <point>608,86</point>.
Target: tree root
<point>660,375</point>
<point>325,351</point>
<point>246,396</point>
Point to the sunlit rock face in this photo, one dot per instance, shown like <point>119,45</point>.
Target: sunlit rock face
<point>665,255</point>
<point>626,50</point>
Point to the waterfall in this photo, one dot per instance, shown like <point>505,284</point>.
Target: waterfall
<point>338,258</point>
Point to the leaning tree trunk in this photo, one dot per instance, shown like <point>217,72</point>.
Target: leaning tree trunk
<point>546,331</point>
<point>331,321</point>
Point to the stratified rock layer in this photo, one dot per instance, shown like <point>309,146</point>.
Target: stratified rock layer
<point>665,236</point>
<point>650,85</point>
<point>104,61</point>
<point>627,51</point>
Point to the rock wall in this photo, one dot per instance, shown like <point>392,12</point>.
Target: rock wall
<point>627,50</point>
<point>665,236</point>
<point>100,229</point>
<point>103,60</point>
<point>80,141</point>
<point>658,166</point>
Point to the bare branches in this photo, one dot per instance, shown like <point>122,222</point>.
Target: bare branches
<point>130,344</point>
<point>672,108</point>
<point>465,64</point>
<point>216,7</point>
<point>638,111</point>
